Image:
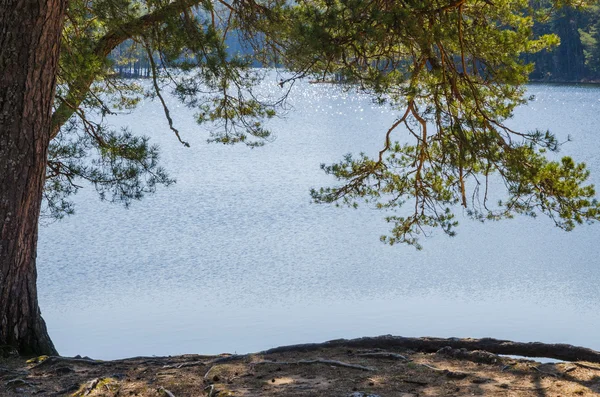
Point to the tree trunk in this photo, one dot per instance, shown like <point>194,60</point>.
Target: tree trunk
<point>29,47</point>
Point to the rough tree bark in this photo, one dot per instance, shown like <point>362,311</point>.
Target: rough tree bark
<point>29,47</point>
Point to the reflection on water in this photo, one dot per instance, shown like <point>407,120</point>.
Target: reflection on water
<point>234,257</point>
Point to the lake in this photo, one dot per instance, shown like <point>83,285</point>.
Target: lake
<point>235,258</point>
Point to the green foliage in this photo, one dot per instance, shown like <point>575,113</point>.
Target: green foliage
<point>121,167</point>
<point>573,59</point>
<point>590,39</point>
<point>453,70</point>
<point>181,45</point>
<point>455,75</point>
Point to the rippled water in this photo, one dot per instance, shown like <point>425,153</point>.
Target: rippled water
<point>235,258</point>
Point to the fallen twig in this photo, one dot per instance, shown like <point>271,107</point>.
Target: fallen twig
<point>91,386</point>
<point>543,372</point>
<point>166,392</point>
<point>210,392</point>
<point>431,367</point>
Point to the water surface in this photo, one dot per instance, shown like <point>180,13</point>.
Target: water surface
<point>235,257</point>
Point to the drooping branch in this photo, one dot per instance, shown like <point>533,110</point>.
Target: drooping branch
<point>158,93</point>
<point>79,89</point>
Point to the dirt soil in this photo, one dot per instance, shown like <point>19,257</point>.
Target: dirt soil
<point>336,371</point>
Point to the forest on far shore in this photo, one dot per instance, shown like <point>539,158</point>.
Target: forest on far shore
<point>575,59</point>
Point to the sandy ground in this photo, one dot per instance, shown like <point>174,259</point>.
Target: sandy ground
<point>337,371</point>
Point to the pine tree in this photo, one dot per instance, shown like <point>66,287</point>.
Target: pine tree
<point>590,39</point>
<point>453,70</point>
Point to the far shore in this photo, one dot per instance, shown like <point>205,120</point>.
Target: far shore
<point>565,82</point>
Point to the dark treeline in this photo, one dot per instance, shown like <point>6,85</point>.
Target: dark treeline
<point>131,60</point>
<point>575,59</point>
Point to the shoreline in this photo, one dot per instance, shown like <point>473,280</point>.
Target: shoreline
<point>371,366</point>
<point>564,82</point>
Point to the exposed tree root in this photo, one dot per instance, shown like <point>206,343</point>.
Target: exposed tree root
<point>327,371</point>
<point>188,364</point>
<point>69,360</point>
<point>207,372</point>
<point>558,351</point>
<point>508,387</point>
<point>317,361</point>
<point>477,356</point>
<point>218,360</point>
<point>390,355</point>
<point>582,365</point>
<point>68,390</point>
